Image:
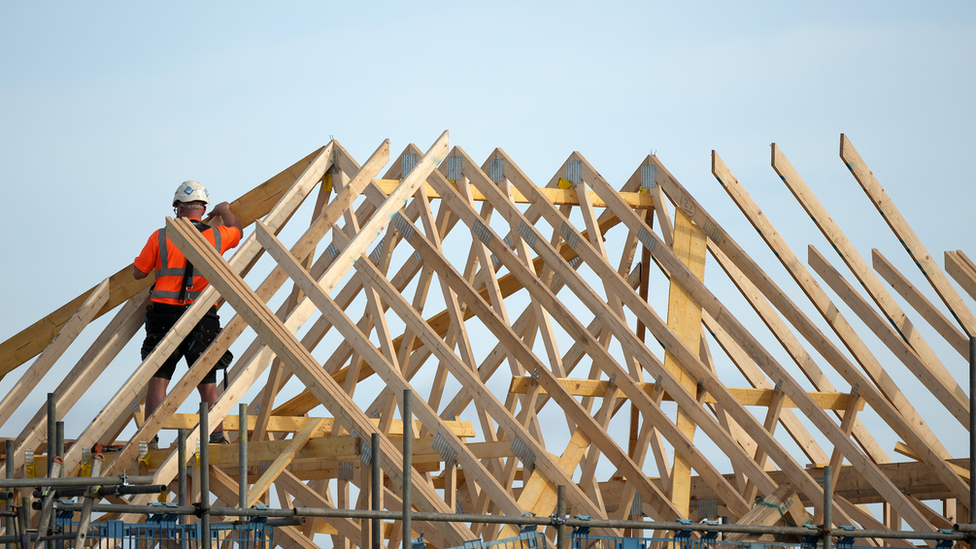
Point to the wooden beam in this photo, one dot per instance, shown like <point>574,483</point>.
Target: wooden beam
<point>558,196</point>
<point>684,319</point>
<point>770,423</point>
<point>745,396</point>
<point>284,458</point>
<point>905,450</point>
<point>291,424</point>
<point>937,380</point>
<point>900,227</point>
<point>923,362</point>
<point>942,325</point>
<point>962,270</point>
<point>53,352</point>
<point>92,363</point>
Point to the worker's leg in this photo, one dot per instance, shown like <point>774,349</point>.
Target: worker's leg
<point>202,336</point>
<point>208,394</point>
<point>155,393</point>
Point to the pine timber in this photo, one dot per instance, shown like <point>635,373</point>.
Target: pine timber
<point>748,397</point>
<point>684,318</point>
<point>523,338</point>
<point>962,270</point>
<point>940,383</point>
<point>924,307</point>
<point>915,428</point>
<point>935,373</point>
<point>900,227</point>
<point>290,424</point>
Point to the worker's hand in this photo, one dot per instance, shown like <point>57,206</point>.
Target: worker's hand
<point>226,215</point>
<point>219,209</point>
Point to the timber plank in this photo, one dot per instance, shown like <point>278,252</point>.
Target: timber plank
<point>961,269</point>
<point>746,396</point>
<point>902,416</point>
<point>921,304</point>
<point>288,453</point>
<point>900,227</point>
<point>290,424</point>
<point>939,383</point>
<point>923,362</point>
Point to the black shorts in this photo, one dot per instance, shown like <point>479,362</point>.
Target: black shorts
<point>160,317</point>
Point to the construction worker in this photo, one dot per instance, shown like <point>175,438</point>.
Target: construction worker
<point>177,285</point>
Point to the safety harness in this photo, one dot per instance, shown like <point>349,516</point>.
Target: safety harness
<point>187,272</point>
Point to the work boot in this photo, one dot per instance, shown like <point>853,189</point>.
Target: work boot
<point>154,443</point>
<point>218,438</point>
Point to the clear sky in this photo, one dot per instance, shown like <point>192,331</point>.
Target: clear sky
<point>106,106</point>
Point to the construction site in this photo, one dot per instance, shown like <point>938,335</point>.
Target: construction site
<point>421,335</point>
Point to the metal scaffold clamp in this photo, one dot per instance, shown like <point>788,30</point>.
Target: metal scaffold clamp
<point>556,520</point>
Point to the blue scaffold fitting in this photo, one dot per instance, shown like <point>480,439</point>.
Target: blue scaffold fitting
<point>945,543</point>
<point>845,541</point>
<point>581,531</point>
<point>682,535</point>
<point>809,541</point>
<point>63,514</point>
<point>709,535</point>
<point>257,522</point>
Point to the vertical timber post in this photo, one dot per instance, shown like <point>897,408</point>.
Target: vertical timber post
<point>407,466</point>
<point>376,486</point>
<point>205,475</point>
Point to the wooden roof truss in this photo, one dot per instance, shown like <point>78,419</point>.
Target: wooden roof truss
<point>551,281</point>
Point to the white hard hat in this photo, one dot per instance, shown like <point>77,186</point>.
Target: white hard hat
<point>191,191</point>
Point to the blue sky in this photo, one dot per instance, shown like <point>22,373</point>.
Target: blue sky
<point>105,107</point>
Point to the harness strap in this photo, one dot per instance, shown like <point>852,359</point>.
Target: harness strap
<point>188,272</point>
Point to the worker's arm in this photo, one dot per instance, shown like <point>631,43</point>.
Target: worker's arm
<point>230,220</point>
<point>137,274</point>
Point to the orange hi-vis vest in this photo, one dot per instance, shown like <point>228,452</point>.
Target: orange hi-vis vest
<point>162,256</point>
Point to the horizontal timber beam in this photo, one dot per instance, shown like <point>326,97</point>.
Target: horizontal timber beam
<point>290,424</point>
<point>746,396</point>
<point>559,197</point>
